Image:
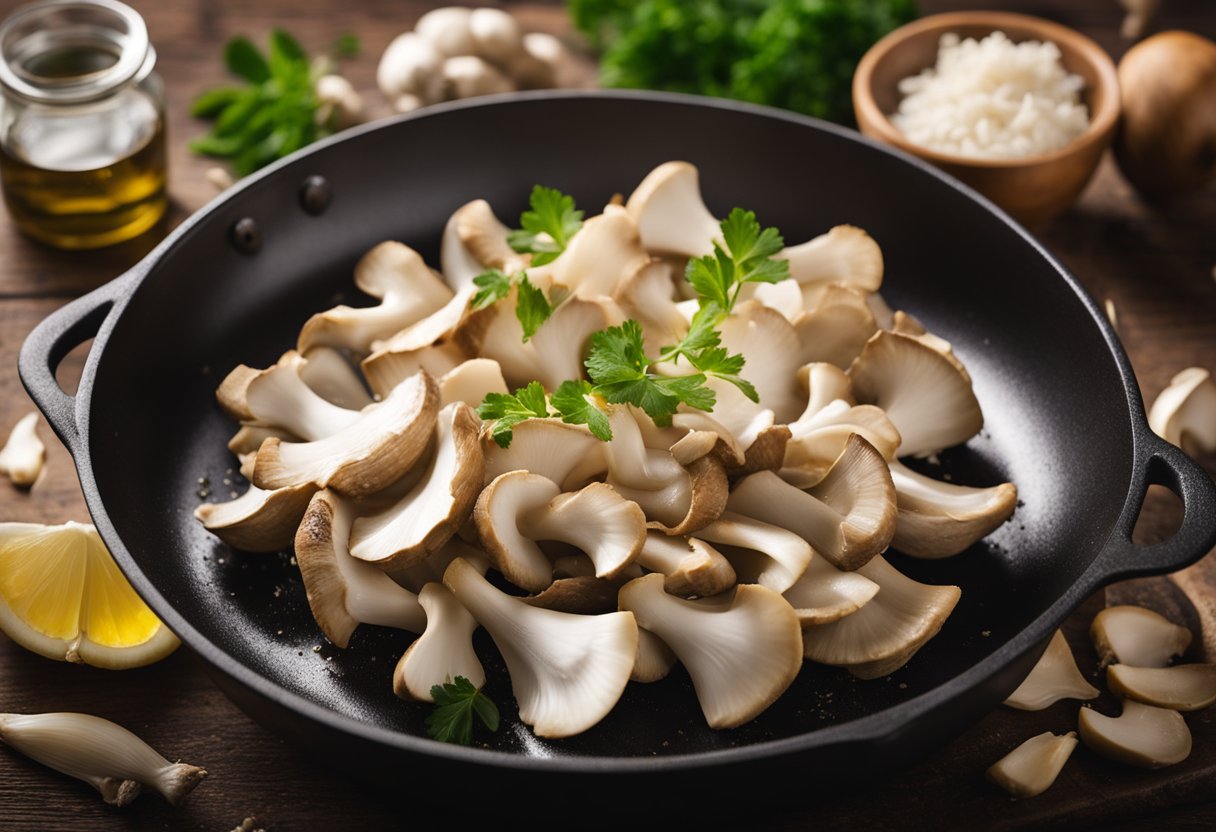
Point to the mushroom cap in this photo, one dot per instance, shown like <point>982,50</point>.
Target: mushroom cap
<point>648,297</point>
<point>343,592</point>
<point>471,381</point>
<point>280,397</point>
<point>334,379</point>
<point>497,513</point>
<point>939,519</point>
<point>1033,766</point>
<point>443,652</point>
<point>1185,412</point>
<point>655,659</point>
<point>848,517</point>
<point>742,649</point>
<point>583,594</point>
<point>410,67</point>
<point>883,635</point>
<point>759,552</point>
<point>567,671</point>
<point>771,353</point>
<point>607,527</point>
<point>1137,636</point>
<point>670,214</point>
<point>845,254</point>
<point>604,253</point>
<point>407,289</point>
<point>1142,735</point>
<point>1183,687</point>
<point>258,520</point>
<point>385,369</point>
<point>429,514</point>
<point>924,393</point>
<point>691,567</point>
<point>818,439</point>
<point>836,330</point>
<point>1054,677</point>
<point>569,455</point>
<point>824,594</point>
<point>365,457</point>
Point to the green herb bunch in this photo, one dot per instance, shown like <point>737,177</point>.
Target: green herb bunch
<point>618,369</point>
<point>796,54</point>
<point>275,113</point>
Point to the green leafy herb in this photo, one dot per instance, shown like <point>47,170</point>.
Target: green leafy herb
<point>570,401</point>
<point>508,410</point>
<point>271,117</point>
<point>532,308</point>
<point>747,258</point>
<point>547,227</point>
<point>619,368</point>
<point>346,46</point>
<point>796,54</point>
<point>455,705</point>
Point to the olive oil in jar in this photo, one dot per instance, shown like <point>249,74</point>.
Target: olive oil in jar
<point>82,139</point>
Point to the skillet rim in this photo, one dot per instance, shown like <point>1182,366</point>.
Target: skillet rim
<point>873,729</point>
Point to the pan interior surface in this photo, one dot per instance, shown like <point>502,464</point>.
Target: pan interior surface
<point>1056,414</point>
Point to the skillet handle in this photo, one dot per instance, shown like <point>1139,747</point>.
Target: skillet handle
<point>49,343</point>
<point>1162,463</point>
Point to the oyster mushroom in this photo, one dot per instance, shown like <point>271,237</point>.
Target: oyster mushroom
<point>848,517</point>
<point>519,508</point>
<point>940,519</point>
<point>326,371</point>
<point>343,592</point>
<point>655,659</point>
<point>742,648</point>
<point>691,567</point>
<point>1142,735</point>
<point>845,254</point>
<point>429,514</point>
<point>1184,687</point>
<point>409,72</point>
<point>1137,636</point>
<point>1185,412</point>
<point>407,289</point>
<point>670,214</point>
<point>606,251</point>
<point>366,456</point>
<point>824,594</point>
<point>569,455</point>
<point>760,553</point>
<point>925,394</point>
<point>1033,766</point>
<point>258,520</point>
<point>279,397</point>
<point>443,652</point>
<point>887,631</point>
<point>646,296</point>
<point>1054,677</point>
<point>837,328</point>
<point>567,671</point>
<point>471,381</point>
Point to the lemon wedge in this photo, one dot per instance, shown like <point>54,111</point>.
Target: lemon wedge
<point>63,597</point>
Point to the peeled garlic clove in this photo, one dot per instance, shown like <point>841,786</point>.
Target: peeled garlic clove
<point>1137,636</point>
<point>1186,687</point>
<point>1185,412</point>
<point>1033,766</point>
<point>105,755</point>
<point>1055,677</point>
<point>23,454</point>
<point>1142,735</point>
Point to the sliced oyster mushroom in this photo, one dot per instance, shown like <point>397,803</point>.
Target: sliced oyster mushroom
<point>258,520</point>
<point>1184,687</point>
<point>1142,735</point>
<point>691,567</point>
<point>1033,766</point>
<point>1137,636</point>
<point>1054,677</point>
<point>940,519</point>
<point>443,652</point>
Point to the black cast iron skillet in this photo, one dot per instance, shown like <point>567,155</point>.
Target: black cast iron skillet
<point>1063,420</point>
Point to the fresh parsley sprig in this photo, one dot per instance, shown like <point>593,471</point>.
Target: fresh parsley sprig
<point>532,308</point>
<point>747,258</point>
<point>455,705</point>
<point>508,410</point>
<point>547,227</point>
<point>271,117</point>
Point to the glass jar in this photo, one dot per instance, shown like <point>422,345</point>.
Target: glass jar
<point>82,124</point>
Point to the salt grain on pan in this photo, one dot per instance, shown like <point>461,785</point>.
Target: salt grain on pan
<point>992,99</point>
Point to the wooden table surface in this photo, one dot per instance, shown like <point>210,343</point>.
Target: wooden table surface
<point>1154,264</point>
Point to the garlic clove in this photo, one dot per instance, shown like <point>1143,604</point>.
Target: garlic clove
<point>24,454</point>
<point>1186,687</point>
<point>1142,735</point>
<point>1137,636</point>
<point>1033,766</point>
<point>1053,678</point>
<point>1185,412</point>
<point>103,754</point>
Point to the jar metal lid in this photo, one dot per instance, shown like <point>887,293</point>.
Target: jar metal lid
<point>99,26</point>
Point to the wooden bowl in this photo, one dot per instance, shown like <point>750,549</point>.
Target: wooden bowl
<point>1031,188</point>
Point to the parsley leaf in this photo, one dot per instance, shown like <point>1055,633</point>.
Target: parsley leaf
<point>702,334</point>
<point>547,227</point>
<point>619,368</point>
<point>570,400</point>
<point>493,287</point>
<point>717,363</point>
<point>509,410</point>
<point>747,258</point>
<point>531,307</point>
<point>455,704</point>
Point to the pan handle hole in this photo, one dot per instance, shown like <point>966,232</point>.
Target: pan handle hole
<point>68,372</point>
<point>1160,516</point>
